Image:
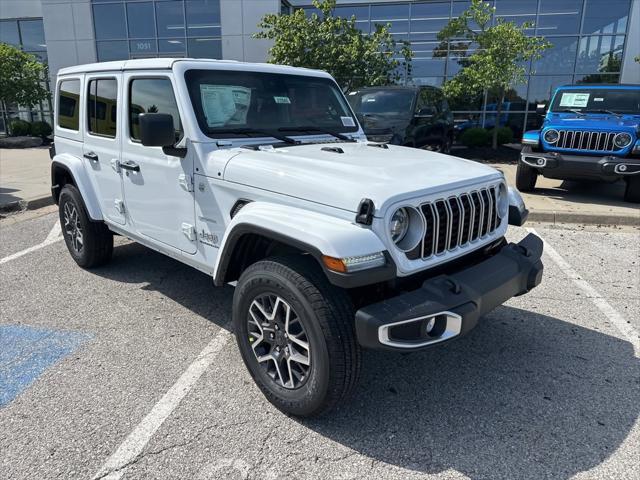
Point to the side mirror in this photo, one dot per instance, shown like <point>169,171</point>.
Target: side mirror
<point>541,109</point>
<point>426,112</point>
<point>157,130</point>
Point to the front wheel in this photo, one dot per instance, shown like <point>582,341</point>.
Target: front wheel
<point>632,190</point>
<point>295,334</point>
<point>526,177</point>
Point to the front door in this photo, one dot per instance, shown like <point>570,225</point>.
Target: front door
<point>102,139</point>
<point>158,188</point>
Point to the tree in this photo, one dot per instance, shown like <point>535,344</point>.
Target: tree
<point>497,63</point>
<point>21,76</point>
<point>336,45</point>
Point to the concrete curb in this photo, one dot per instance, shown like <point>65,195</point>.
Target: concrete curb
<point>586,218</point>
<point>28,204</point>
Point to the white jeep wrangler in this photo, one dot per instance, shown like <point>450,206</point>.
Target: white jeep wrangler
<point>261,175</point>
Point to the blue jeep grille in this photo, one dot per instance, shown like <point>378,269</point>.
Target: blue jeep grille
<point>586,140</point>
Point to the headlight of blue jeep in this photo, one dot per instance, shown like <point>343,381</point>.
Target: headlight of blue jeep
<point>622,140</point>
<point>502,201</point>
<point>406,228</point>
<point>551,136</point>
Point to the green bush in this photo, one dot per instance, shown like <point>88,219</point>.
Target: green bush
<point>505,135</point>
<point>19,128</point>
<point>41,129</point>
<point>475,137</point>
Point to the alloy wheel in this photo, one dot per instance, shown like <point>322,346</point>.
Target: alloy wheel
<point>279,341</point>
<point>72,226</point>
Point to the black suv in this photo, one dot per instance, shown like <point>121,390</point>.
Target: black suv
<point>410,116</point>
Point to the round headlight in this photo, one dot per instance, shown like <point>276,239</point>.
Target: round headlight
<point>622,140</point>
<point>399,224</point>
<point>551,136</point>
<point>502,201</point>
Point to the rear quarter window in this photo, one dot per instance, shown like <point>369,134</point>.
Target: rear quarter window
<point>69,104</point>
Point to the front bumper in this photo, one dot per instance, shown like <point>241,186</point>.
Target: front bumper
<point>448,306</point>
<point>566,167</point>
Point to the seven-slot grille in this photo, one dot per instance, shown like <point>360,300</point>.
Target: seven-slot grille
<point>457,220</point>
<point>586,140</point>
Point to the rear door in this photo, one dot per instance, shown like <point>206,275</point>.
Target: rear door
<point>102,141</point>
<point>159,191</point>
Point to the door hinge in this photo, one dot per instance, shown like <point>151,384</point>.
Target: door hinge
<point>189,231</point>
<point>186,182</point>
<point>119,204</point>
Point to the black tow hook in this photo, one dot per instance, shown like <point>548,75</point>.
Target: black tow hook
<point>454,286</point>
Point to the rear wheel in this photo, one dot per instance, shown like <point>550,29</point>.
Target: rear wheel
<point>295,334</point>
<point>632,190</point>
<point>526,177</point>
<point>89,243</point>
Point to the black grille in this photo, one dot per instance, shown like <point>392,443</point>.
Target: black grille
<point>586,140</point>
<point>456,221</point>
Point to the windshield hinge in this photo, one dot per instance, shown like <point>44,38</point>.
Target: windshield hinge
<point>189,231</point>
<point>186,182</point>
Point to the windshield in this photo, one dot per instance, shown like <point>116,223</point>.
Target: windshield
<point>597,100</point>
<point>382,102</point>
<point>232,103</point>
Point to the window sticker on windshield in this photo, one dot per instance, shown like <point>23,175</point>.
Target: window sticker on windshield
<point>598,99</point>
<point>347,122</point>
<point>578,100</point>
<point>225,104</point>
<point>282,100</point>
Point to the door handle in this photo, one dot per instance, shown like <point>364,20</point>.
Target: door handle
<point>129,165</point>
<point>91,156</point>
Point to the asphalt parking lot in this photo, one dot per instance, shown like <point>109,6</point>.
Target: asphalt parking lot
<point>129,371</point>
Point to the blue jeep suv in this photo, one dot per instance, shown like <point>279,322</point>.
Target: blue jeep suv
<point>590,132</point>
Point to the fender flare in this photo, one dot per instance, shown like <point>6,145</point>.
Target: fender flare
<point>314,233</point>
<point>74,167</point>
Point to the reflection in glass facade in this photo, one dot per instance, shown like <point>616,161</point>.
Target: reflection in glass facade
<point>588,38</point>
<point>28,35</point>
<point>157,28</point>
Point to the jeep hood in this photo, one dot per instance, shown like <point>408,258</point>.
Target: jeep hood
<point>342,180</point>
<point>626,123</point>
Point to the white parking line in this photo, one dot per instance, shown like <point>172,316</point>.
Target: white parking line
<point>53,237</point>
<point>625,328</point>
<point>132,447</point>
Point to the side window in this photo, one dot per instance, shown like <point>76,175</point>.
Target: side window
<point>429,100</point>
<point>152,95</point>
<point>68,104</point>
<point>102,107</point>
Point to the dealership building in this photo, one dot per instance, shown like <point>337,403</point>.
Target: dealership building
<point>594,41</point>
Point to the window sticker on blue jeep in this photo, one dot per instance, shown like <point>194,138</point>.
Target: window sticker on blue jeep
<point>578,100</point>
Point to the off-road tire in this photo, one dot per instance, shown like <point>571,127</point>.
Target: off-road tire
<point>327,315</point>
<point>526,177</point>
<point>632,189</point>
<point>97,246</point>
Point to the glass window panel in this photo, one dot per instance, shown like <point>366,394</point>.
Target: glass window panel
<point>9,33</point>
<point>598,78</point>
<point>427,29</point>
<point>102,107</point>
<point>515,121</point>
<point>427,67</point>
<point>600,54</point>
<point>432,81</point>
<point>171,45</point>
<point>559,16</point>
<point>458,52</point>
<point>143,46</point>
<point>467,102</point>
<point>170,19</point>
<point>361,13</point>
<point>542,87</point>
<point>560,58</point>
<point>109,21</point>
<point>516,7</point>
<point>152,95</point>
<point>399,26</point>
<point>140,20</point>
<point>464,121</point>
<point>457,8</point>
<point>205,48</point>
<point>68,104</point>
<point>439,10</point>
<point>390,12</point>
<point>32,33</point>
<point>113,50</point>
<point>203,18</point>
<point>606,16</point>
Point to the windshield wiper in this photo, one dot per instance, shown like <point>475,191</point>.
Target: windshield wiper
<point>267,133</point>
<point>601,110</point>
<point>569,110</point>
<point>312,128</point>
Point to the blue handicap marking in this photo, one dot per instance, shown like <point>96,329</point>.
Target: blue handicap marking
<point>26,352</point>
